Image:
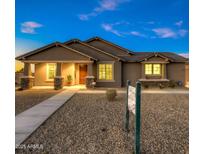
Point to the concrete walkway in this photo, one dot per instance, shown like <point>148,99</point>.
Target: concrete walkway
<point>148,91</point>
<point>165,91</point>
<point>28,121</point>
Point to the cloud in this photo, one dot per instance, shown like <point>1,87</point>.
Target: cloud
<point>104,5</point>
<point>109,28</point>
<point>182,32</point>
<point>179,23</point>
<point>148,22</point>
<point>136,33</point>
<point>29,27</point>
<point>186,55</point>
<point>169,33</point>
<point>85,17</point>
<point>151,22</point>
<point>165,32</point>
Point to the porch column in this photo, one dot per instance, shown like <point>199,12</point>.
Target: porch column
<point>58,80</point>
<point>58,69</point>
<point>143,71</point>
<point>27,69</point>
<point>164,71</point>
<point>90,69</point>
<point>27,81</point>
<point>89,82</point>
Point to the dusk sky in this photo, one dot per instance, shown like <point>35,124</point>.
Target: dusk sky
<point>138,25</point>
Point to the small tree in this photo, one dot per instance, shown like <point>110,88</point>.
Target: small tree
<point>111,94</point>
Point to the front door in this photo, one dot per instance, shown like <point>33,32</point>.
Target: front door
<point>83,73</point>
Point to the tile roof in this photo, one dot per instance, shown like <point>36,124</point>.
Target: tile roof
<point>90,50</point>
<point>139,56</point>
<point>108,46</point>
<point>96,50</point>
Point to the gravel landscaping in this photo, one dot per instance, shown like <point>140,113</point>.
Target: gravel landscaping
<point>88,123</point>
<point>27,98</point>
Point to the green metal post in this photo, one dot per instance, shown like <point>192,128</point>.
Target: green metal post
<point>137,117</point>
<point>126,127</point>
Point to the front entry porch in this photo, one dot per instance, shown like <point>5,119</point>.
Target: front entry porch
<point>57,74</point>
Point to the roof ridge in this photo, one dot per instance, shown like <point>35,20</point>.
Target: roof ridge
<point>90,46</point>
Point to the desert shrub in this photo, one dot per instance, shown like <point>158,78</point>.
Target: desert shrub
<point>172,84</point>
<point>161,85</point>
<point>146,86</point>
<point>111,94</point>
<point>180,83</point>
<point>20,89</point>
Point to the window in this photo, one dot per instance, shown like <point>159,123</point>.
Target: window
<point>105,71</point>
<point>153,69</point>
<point>148,68</point>
<point>156,69</point>
<point>51,71</point>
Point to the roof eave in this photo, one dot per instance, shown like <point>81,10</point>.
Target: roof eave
<point>21,57</point>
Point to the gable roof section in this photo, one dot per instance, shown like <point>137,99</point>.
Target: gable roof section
<point>141,56</point>
<point>174,56</point>
<point>88,49</point>
<point>24,56</point>
<point>108,46</point>
<point>95,50</point>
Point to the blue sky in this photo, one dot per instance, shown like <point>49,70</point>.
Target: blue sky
<point>139,25</point>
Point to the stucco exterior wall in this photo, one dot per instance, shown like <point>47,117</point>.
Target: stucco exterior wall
<point>187,75</point>
<point>176,72</point>
<point>132,72</point>
<point>41,76</point>
<point>122,72</point>
<point>68,69</point>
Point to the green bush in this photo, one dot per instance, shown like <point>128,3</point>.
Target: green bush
<point>111,94</point>
<point>172,84</point>
<point>69,78</point>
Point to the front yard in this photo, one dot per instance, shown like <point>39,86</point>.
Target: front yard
<point>88,123</point>
<point>28,98</point>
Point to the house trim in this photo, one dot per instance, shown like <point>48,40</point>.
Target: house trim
<point>56,61</point>
<point>156,55</point>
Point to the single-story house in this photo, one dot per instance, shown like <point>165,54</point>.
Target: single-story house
<point>101,62</point>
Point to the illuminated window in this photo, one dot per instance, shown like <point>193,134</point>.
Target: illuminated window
<point>105,71</point>
<point>51,71</point>
<point>148,68</point>
<point>152,69</point>
<point>157,69</point>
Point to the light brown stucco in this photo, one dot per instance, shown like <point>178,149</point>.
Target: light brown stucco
<point>132,72</point>
<point>176,72</point>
